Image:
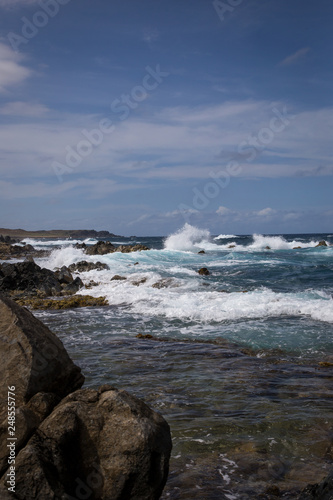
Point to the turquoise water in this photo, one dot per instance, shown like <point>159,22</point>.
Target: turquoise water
<point>241,360</point>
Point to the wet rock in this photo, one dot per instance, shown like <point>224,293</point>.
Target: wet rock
<point>163,283</point>
<point>116,277</point>
<point>84,266</point>
<point>139,282</point>
<point>201,252</point>
<point>35,361</point>
<point>107,444</point>
<point>100,248</point>
<point>131,248</point>
<point>320,491</point>
<point>204,271</point>
<point>9,251</point>
<point>91,284</point>
<point>268,248</point>
<point>144,336</point>
<point>67,303</point>
<point>27,279</point>
<point>231,246</point>
<point>322,243</point>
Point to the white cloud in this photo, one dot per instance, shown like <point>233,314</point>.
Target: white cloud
<point>12,71</point>
<point>266,212</point>
<point>17,3</point>
<point>223,211</point>
<point>295,57</point>
<point>20,108</point>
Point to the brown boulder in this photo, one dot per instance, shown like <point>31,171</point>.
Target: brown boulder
<point>322,244</point>
<point>105,445</point>
<point>34,361</point>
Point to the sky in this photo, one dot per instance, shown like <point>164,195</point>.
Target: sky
<point>139,117</point>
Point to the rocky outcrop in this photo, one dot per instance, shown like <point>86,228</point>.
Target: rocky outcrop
<point>9,251</point>
<point>105,247</point>
<point>320,491</point>
<point>84,266</point>
<point>99,444</point>
<point>322,244</point>
<point>27,279</point>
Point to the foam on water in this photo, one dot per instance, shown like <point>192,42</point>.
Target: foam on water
<point>188,238</point>
<point>225,237</point>
<point>57,243</point>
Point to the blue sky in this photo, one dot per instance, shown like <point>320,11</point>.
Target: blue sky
<point>137,117</point>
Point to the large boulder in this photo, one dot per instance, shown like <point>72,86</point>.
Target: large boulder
<point>103,444</point>
<point>36,363</point>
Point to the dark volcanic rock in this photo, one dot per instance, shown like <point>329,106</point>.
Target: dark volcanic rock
<point>100,248</point>
<point>28,279</point>
<point>84,266</point>
<point>67,303</point>
<point>105,443</point>
<point>104,247</point>
<point>35,361</point>
<point>204,271</point>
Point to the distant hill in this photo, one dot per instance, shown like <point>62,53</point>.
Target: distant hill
<point>57,233</point>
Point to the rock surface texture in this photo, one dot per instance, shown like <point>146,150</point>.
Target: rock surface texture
<point>88,444</point>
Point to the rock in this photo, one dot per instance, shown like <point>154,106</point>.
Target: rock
<point>322,243</point>
<point>67,303</point>
<point>144,336</point>
<point>231,246</point>
<point>27,279</point>
<point>99,444</point>
<point>201,252</point>
<point>136,264</point>
<point>116,277</point>
<point>35,361</point>
<point>64,275</point>
<point>139,282</point>
<point>100,248</point>
<point>268,248</point>
<point>84,266</point>
<point>297,248</point>
<point>321,491</point>
<point>8,251</point>
<point>103,444</point>
<point>204,271</point>
<point>163,283</point>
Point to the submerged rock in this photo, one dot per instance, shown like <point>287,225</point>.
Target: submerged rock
<point>204,271</point>
<point>320,491</point>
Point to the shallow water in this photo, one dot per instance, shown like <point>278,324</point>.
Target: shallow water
<point>241,360</point>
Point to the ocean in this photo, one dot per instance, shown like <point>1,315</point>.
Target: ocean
<point>241,360</point>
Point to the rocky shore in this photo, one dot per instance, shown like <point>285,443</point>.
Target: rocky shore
<point>71,442</point>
